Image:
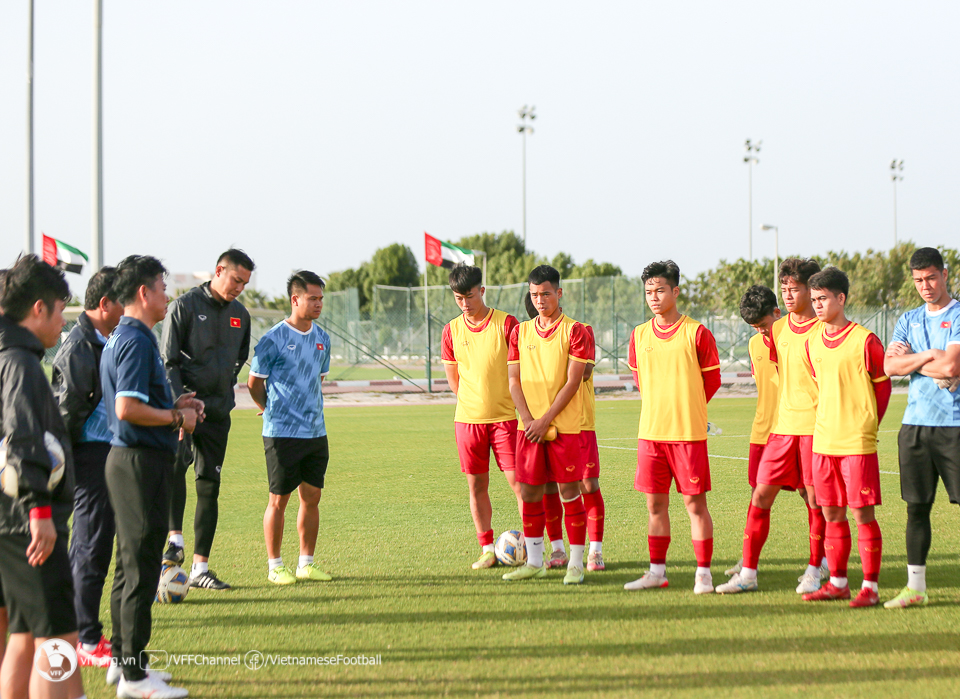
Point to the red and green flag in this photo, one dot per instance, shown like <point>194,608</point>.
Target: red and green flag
<point>443,254</point>
<point>57,253</point>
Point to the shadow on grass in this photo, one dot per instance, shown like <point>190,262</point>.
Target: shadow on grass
<point>791,681</point>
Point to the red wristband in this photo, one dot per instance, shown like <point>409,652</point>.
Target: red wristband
<point>41,513</point>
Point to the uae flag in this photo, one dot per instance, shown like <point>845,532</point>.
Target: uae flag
<point>57,253</point>
<point>443,254</point>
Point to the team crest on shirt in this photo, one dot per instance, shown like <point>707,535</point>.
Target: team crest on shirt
<point>234,322</point>
<point>946,325</point>
<point>759,358</point>
<point>291,347</point>
<point>531,347</point>
<point>320,347</point>
<point>465,343</point>
<point>648,349</point>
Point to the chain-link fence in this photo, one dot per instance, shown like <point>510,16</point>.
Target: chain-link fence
<point>394,337</point>
<point>614,306</point>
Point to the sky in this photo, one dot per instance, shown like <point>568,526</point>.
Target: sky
<point>311,133</point>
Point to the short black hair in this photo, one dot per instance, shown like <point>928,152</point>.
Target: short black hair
<point>528,304</point>
<point>799,269</point>
<point>757,303</point>
<point>100,285</point>
<point>132,273</point>
<point>237,258</point>
<point>668,270</point>
<point>28,281</point>
<point>464,277</point>
<point>831,279</point>
<point>543,274</point>
<point>923,258</point>
<point>298,282</point>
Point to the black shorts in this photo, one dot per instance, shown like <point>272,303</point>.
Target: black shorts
<point>206,448</point>
<point>928,454</point>
<point>39,600</point>
<point>292,461</point>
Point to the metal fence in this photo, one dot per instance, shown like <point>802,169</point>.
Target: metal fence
<point>395,334</point>
<point>614,306</point>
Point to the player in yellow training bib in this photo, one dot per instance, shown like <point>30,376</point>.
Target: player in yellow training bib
<point>787,459</point>
<point>675,364</point>
<point>474,353</point>
<point>846,360</point>
<point>548,357</point>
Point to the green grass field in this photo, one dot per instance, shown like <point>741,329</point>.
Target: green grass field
<point>397,535</point>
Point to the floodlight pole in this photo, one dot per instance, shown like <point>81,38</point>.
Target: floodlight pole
<point>895,169</point>
<point>482,254</point>
<point>525,113</point>
<point>750,159</point>
<point>28,247</point>
<point>776,258</point>
<point>426,311</point>
<point>97,247</point>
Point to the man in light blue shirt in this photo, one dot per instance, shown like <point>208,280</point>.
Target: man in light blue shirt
<point>288,367</point>
<point>926,347</point>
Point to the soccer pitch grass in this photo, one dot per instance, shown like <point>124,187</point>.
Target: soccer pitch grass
<point>396,534</point>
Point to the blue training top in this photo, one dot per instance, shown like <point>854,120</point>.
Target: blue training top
<point>97,427</point>
<point>293,364</point>
<point>927,404</point>
<point>131,367</point>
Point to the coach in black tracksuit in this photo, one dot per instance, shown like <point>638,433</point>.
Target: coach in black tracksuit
<point>37,587</point>
<point>205,342</point>
<point>76,384</point>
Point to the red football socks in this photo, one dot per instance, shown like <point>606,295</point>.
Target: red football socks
<point>837,544</point>
<point>533,520</point>
<point>658,546</point>
<point>486,538</point>
<point>755,535</point>
<point>870,543</point>
<point>818,527</point>
<point>575,518</point>
<point>554,513</point>
<point>703,550</point>
<point>593,503</point>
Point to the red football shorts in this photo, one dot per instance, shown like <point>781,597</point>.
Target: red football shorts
<point>787,461</point>
<point>590,453</point>
<point>756,453</point>
<point>842,481</point>
<point>684,462</point>
<point>559,461</point>
<point>474,443</point>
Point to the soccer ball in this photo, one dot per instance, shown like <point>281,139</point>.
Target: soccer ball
<point>511,550</point>
<point>10,479</point>
<point>174,585</point>
<point>58,461</point>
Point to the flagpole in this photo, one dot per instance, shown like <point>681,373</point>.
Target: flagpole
<point>28,248</point>
<point>97,136</point>
<point>426,310</point>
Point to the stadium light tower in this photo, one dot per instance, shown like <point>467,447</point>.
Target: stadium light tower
<point>750,159</point>
<point>28,243</point>
<point>97,232</point>
<point>896,168</point>
<point>523,129</point>
<point>776,257</point>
